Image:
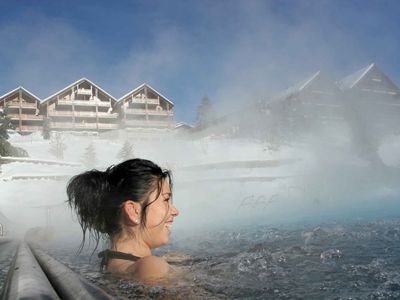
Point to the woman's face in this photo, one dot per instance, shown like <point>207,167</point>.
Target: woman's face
<point>159,217</point>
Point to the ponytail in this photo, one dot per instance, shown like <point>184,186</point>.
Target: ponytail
<point>87,194</point>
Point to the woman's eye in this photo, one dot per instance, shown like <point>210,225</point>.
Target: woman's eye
<point>167,199</point>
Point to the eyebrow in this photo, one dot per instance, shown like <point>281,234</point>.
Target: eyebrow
<point>168,194</point>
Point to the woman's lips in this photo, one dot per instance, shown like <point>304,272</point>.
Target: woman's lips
<point>169,225</point>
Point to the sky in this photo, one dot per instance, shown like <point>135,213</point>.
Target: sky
<point>232,51</point>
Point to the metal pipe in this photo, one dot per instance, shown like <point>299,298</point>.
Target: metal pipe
<point>68,284</point>
<point>26,280</point>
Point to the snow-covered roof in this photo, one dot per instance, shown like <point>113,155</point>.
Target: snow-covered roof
<point>182,124</point>
<point>360,76</point>
<point>317,79</point>
<point>83,79</point>
<point>351,80</point>
<point>23,89</point>
<point>142,86</point>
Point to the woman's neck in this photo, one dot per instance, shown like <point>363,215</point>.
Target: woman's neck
<point>128,244</point>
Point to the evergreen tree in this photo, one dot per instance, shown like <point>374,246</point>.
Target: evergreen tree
<point>126,151</point>
<point>6,149</point>
<point>205,113</point>
<point>5,124</point>
<point>89,158</point>
<point>57,146</point>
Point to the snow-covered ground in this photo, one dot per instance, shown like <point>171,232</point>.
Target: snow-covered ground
<point>310,178</point>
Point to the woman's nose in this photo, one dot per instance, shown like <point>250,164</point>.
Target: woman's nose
<point>175,211</point>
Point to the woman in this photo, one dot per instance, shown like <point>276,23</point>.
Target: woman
<point>130,204</point>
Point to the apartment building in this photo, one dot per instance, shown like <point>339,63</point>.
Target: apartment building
<point>373,99</point>
<point>145,107</point>
<point>82,105</point>
<point>22,107</point>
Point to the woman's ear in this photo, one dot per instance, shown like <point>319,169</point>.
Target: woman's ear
<point>132,211</point>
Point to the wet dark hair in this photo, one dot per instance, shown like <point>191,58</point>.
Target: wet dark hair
<point>97,196</point>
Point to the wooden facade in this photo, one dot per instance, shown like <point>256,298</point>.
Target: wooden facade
<point>145,107</point>
<point>22,107</point>
<point>84,106</point>
<point>80,106</point>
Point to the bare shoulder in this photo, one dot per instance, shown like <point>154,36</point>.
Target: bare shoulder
<point>149,267</point>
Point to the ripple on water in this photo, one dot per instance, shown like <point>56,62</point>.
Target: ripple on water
<point>329,261</point>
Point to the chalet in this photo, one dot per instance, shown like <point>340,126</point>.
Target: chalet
<point>316,97</point>
<point>22,107</point>
<point>375,99</point>
<point>183,128</point>
<point>145,107</point>
<point>371,80</point>
<point>82,105</point>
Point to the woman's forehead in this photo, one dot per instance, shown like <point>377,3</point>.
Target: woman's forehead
<point>165,187</point>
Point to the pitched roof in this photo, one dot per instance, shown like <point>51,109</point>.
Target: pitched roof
<point>20,88</point>
<point>142,86</point>
<point>364,77</point>
<point>183,124</point>
<point>317,81</point>
<point>83,79</point>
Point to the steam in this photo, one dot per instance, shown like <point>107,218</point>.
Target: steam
<point>236,53</point>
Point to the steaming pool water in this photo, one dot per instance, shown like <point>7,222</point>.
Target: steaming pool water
<point>341,248</point>
<point>347,260</point>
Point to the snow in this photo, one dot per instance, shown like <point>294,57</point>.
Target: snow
<point>202,194</point>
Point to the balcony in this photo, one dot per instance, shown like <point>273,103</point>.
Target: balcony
<point>140,111</point>
<point>83,114</point>
<point>146,100</point>
<point>24,117</point>
<point>85,126</point>
<point>17,104</point>
<point>61,125</point>
<point>60,113</point>
<point>29,128</point>
<point>160,112</point>
<point>92,126</point>
<point>106,115</point>
<point>145,123</point>
<point>70,125</point>
<point>107,126</point>
<point>84,92</point>
<point>84,103</point>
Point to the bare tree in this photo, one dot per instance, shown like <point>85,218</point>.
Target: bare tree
<point>126,151</point>
<point>57,146</point>
<point>46,129</point>
<point>89,158</point>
